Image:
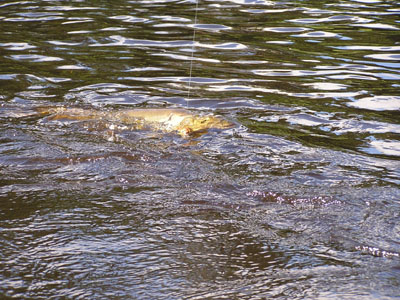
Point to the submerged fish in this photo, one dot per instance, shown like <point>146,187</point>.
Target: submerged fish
<point>181,121</point>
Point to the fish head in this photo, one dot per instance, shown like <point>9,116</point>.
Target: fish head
<point>194,125</point>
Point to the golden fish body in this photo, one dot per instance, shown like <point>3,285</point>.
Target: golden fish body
<point>181,121</point>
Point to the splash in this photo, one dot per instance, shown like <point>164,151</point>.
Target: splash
<point>269,196</point>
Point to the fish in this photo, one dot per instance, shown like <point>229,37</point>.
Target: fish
<point>183,122</point>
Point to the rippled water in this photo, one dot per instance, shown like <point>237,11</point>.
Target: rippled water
<point>300,200</point>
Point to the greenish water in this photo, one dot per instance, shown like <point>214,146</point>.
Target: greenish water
<point>300,200</point>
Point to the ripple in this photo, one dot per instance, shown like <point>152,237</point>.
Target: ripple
<point>253,2</point>
<point>335,95</point>
<point>280,42</point>
<point>8,76</point>
<point>249,62</point>
<point>370,48</point>
<point>288,72</point>
<point>385,147</point>
<point>57,79</point>
<point>101,86</point>
<point>80,32</point>
<point>333,123</point>
<point>368,1</point>
<point>344,126</point>
<point>129,19</point>
<point>71,8</point>
<point>352,76</point>
<point>113,29</point>
<point>22,19</point>
<point>77,21</point>
<point>333,72</point>
<point>242,88</point>
<point>35,17</point>
<point>388,56</point>
<point>176,79</point>
<point>172,19</point>
<point>318,34</point>
<point>122,41</point>
<point>167,25</point>
<point>63,43</point>
<point>38,14</point>
<point>377,103</point>
<point>224,46</point>
<point>306,120</point>
<point>350,66</point>
<point>9,4</point>
<point>184,57</point>
<point>377,26</point>
<point>336,18</point>
<point>35,58</point>
<point>73,67</point>
<point>145,69</point>
<point>267,11</point>
<point>327,86</point>
<point>285,29</point>
<point>250,88</point>
<point>17,46</point>
<point>211,27</point>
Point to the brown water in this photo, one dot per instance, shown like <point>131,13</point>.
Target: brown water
<point>300,200</point>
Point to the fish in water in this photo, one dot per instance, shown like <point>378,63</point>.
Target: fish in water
<point>181,121</point>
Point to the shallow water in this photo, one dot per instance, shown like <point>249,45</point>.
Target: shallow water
<point>299,200</point>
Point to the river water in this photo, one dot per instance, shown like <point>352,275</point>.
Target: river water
<point>300,200</point>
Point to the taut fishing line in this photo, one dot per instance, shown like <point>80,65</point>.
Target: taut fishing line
<point>193,47</point>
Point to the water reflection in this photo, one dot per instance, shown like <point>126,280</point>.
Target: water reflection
<point>378,103</point>
<point>299,200</point>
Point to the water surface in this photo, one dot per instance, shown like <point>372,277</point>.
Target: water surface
<point>299,200</point>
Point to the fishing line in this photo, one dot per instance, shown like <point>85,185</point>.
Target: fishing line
<point>193,47</point>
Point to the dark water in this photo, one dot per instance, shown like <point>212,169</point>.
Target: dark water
<point>300,200</point>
